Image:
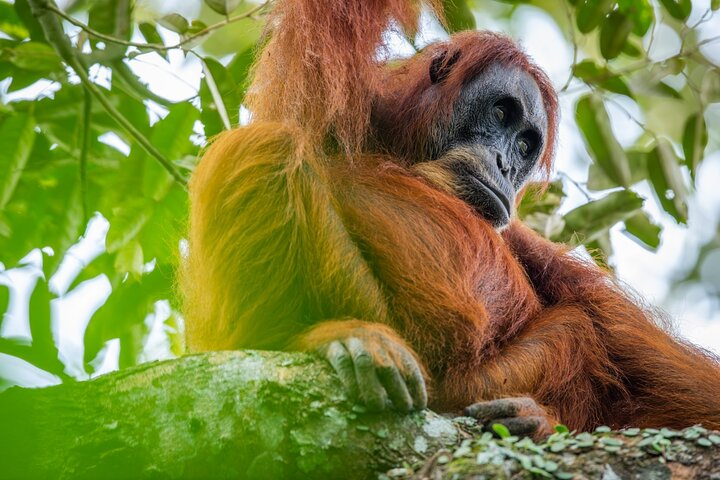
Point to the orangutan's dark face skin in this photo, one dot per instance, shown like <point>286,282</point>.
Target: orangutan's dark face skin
<point>494,142</point>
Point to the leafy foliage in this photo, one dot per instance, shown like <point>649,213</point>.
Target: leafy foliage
<point>67,151</point>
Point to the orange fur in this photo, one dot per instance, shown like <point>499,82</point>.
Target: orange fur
<point>310,215</point>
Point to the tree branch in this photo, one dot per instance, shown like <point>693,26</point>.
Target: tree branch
<point>245,414</point>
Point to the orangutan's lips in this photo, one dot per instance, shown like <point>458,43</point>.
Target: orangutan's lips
<point>494,193</point>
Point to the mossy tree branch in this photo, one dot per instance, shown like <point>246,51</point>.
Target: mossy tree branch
<point>283,415</point>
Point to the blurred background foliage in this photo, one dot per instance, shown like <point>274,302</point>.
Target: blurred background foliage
<point>84,142</point>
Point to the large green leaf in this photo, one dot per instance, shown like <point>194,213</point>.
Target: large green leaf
<point>16,141</point>
<point>239,67</point>
<point>640,228</point>
<point>223,7</point>
<point>592,73</point>
<point>614,33</point>
<point>458,15</point>
<point>171,136</point>
<point>114,18</point>
<point>679,9</point>
<point>22,8</point>
<point>591,12</point>
<point>46,210</point>
<point>591,221</point>
<point>40,315</point>
<point>167,225</point>
<point>228,89</point>
<point>694,140</point>
<point>667,180</point>
<point>130,259</point>
<point>149,31</point>
<point>10,23</point>
<point>640,12</point>
<point>123,313</point>
<point>143,183</point>
<point>41,351</point>
<point>127,220</point>
<point>36,57</point>
<point>175,23</point>
<point>594,123</point>
<point>637,164</point>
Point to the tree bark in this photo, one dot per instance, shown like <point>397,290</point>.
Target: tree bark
<point>275,415</point>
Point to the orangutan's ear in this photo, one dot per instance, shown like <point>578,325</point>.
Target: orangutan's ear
<point>441,65</point>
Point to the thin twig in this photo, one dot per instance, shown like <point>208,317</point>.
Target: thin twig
<point>157,46</point>
<point>577,185</point>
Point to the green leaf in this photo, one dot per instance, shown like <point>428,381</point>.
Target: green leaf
<point>543,199</point>
<point>123,313</point>
<point>633,48</point>
<point>715,4</point>
<point>501,430</point>
<point>604,148</point>
<point>637,162</point>
<point>458,15</point>
<point>667,180</point>
<point>129,259</point>
<point>166,226</point>
<point>10,23</point>
<point>663,89</point>
<point>45,210</point>
<point>223,7</point>
<point>228,89</point>
<point>126,222</point>
<point>150,33</point>
<point>614,33</point>
<point>591,12</point>
<point>591,73</point>
<point>36,57</point>
<point>44,351</point>
<point>146,183</point>
<point>239,68</point>
<point>196,27</point>
<point>589,222</point>
<point>171,136</point>
<point>640,228</point>
<point>561,428</point>
<point>694,141</point>
<point>111,17</point>
<point>679,9</point>
<point>175,22</point>
<point>22,8</point>
<point>640,12</point>
<point>16,142</point>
